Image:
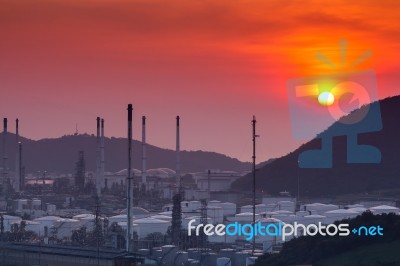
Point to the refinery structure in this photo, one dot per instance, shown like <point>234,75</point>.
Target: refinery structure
<point>142,216</point>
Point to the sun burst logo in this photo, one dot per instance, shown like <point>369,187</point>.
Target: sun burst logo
<point>341,102</point>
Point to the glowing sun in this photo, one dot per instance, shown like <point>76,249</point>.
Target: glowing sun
<point>326,98</point>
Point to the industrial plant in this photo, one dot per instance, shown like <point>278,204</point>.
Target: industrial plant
<point>142,216</point>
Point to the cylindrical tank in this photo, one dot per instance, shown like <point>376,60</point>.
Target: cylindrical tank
<point>194,263</point>
<point>65,227</point>
<point>194,253</point>
<point>250,261</point>
<point>209,258</point>
<point>181,258</point>
<point>216,214</point>
<point>259,208</point>
<point>117,218</point>
<point>246,208</point>
<point>36,204</point>
<point>287,205</point>
<point>9,220</point>
<point>144,251</point>
<point>151,225</point>
<point>168,253</point>
<point>214,203</point>
<point>194,205</point>
<point>240,258</point>
<point>162,217</point>
<point>245,217</point>
<point>223,261</point>
<point>227,253</point>
<point>228,208</point>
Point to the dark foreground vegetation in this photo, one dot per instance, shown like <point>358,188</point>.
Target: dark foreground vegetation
<point>352,250</point>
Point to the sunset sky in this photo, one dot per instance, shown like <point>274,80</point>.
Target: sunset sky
<point>214,63</point>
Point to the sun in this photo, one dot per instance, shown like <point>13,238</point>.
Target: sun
<point>326,98</point>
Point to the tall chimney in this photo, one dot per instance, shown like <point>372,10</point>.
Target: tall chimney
<point>98,182</point>
<point>144,169</point>
<point>21,171</point>
<point>5,173</point>
<point>102,166</point>
<point>17,177</point>
<point>178,160</point>
<point>129,179</point>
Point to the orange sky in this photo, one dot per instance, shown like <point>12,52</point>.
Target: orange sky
<point>215,63</point>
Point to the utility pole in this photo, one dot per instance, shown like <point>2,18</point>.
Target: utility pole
<point>253,122</point>
<point>129,189</point>
<point>208,183</point>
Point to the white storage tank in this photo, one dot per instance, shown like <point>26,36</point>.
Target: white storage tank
<point>134,227</point>
<point>216,214</point>
<point>287,205</point>
<point>227,253</point>
<point>246,208</point>
<point>209,258</point>
<point>340,214</point>
<point>259,208</point>
<point>85,220</point>
<point>162,217</point>
<point>271,207</point>
<point>302,213</point>
<point>118,218</point>
<point>50,208</point>
<point>240,258</point>
<point>46,221</point>
<point>358,209</point>
<point>168,253</point>
<point>83,216</point>
<point>36,204</point>
<point>34,226</point>
<point>384,209</point>
<point>245,217</point>
<point>194,205</point>
<point>214,203</point>
<point>137,212</point>
<point>319,208</point>
<point>181,258</point>
<point>228,208</point>
<point>150,225</point>
<point>21,204</point>
<point>169,213</point>
<point>185,206</point>
<point>65,227</point>
<point>251,261</point>
<point>224,261</point>
<point>9,220</point>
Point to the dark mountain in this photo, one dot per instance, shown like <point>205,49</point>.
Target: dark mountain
<point>60,155</point>
<point>283,173</point>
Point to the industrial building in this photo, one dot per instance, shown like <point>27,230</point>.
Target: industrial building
<point>36,254</point>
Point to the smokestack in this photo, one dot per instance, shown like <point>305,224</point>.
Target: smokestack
<point>102,166</point>
<point>178,160</point>
<point>17,177</point>
<point>129,179</point>
<point>98,158</point>
<point>4,155</point>
<point>21,171</point>
<point>144,176</point>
